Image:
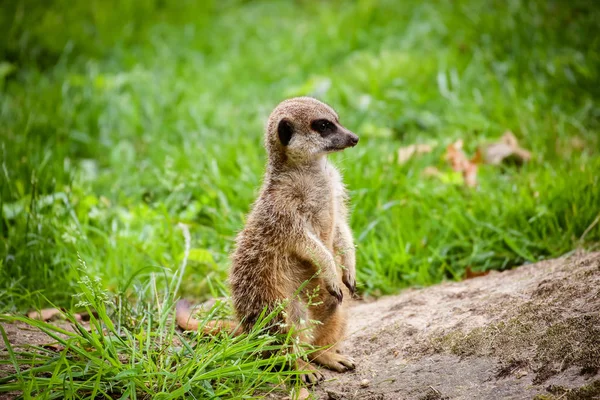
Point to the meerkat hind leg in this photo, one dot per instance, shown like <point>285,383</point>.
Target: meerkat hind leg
<point>311,375</point>
<point>328,334</point>
<point>296,313</point>
<point>334,360</point>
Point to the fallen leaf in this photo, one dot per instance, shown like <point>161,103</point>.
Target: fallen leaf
<point>431,171</point>
<point>470,274</point>
<point>506,149</point>
<point>456,156</point>
<point>477,158</point>
<point>45,314</point>
<point>407,152</point>
<point>302,394</point>
<point>460,163</point>
<point>54,347</point>
<point>470,174</point>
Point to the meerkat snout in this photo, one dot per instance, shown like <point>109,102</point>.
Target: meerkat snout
<point>335,136</point>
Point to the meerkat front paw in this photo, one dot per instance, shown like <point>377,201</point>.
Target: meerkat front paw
<point>350,281</point>
<point>335,291</point>
<point>335,361</point>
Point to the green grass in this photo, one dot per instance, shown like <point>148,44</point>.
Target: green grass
<point>120,120</point>
<point>132,350</point>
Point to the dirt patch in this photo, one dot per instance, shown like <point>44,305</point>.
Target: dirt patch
<point>529,333</point>
<point>22,337</point>
<point>519,334</point>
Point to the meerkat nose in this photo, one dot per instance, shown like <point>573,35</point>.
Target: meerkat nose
<point>353,139</point>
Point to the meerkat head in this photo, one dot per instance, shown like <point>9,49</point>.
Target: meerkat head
<point>303,129</point>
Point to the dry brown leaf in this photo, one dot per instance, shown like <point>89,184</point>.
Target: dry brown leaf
<point>45,314</point>
<point>407,152</point>
<point>459,162</point>
<point>54,347</point>
<point>456,156</point>
<point>477,158</point>
<point>302,394</point>
<point>470,274</point>
<point>507,148</point>
<point>431,171</point>
<point>470,174</point>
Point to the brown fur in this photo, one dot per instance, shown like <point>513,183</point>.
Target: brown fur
<point>298,231</point>
<point>185,320</point>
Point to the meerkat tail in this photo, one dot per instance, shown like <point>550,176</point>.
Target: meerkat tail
<point>185,320</point>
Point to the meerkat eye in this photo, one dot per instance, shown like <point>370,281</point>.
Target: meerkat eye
<point>323,126</point>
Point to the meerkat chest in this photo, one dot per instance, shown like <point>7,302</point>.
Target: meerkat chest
<point>323,219</point>
<point>325,199</point>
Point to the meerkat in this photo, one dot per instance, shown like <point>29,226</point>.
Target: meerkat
<point>296,234</point>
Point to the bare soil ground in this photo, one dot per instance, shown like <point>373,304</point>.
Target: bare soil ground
<point>532,332</point>
<point>529,333</point>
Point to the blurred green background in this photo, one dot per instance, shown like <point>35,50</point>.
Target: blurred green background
<point>120,119</point>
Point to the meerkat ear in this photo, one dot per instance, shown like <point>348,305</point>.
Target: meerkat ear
<point>285,130</point>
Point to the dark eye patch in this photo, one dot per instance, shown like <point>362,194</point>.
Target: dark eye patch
<point>323,127</point>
